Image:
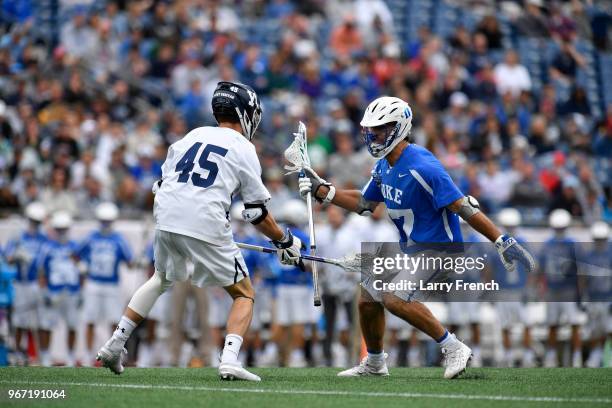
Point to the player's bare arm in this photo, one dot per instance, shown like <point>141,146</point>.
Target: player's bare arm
<point>510,251</point>
<point>477,220</point>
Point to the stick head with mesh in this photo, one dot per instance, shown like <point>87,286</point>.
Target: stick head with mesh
<point>297,152</point>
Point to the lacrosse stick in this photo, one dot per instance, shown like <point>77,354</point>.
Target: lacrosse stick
<point>297,155</point>
<point>349,263</point>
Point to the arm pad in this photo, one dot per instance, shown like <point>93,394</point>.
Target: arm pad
<point>469,207</point>
<point>254,213</point>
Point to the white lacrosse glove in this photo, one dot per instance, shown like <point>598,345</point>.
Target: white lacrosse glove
<point>310,184</point>
<point>512,252</point>
<point>288,249</point>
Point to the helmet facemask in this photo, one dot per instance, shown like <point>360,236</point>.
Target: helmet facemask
<point>380,140</point>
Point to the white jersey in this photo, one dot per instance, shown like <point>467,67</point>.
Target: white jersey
<point>201,173</point>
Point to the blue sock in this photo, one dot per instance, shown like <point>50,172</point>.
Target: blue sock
<point>444,336</point>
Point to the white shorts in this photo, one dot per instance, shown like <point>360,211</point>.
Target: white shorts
<point>559,313</point>
<point>214,265</point>
<point>64,306</point>
<point>294,305</point>
<point>162,308</point>
<point>26,305</point>
<point>512,313</point>
<point>599,319</point>
<point>219,305</point>
<point>460,313</point>
<point>102,303</point>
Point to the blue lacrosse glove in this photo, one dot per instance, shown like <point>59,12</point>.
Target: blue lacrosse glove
<point>512,252</point>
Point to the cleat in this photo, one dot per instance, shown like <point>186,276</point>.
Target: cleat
<point>230,372</point>
<point>365,368</point>
<point>113,360</point>
<point>455,359</point>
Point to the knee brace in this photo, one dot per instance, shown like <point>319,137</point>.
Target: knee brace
<point>145,297</point>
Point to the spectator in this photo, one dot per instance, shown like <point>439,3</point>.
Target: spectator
<point>57,196</point>
<point>511,76</point>
<point>346,39</point>
<point>565,64</point>
<point>496,186</point>
<point>533,23</point>
<point>489,27</point>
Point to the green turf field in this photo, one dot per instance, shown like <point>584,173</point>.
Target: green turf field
<point>312,388</point>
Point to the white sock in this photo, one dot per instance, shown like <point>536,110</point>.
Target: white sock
<point>45,358</point>
<point>447,340</point>
<point>71,361</point>
<point>231,348</point>
<point>476,351</point>
<point>124,328</point>
<point>297,354</point>
<point>271,349</point>
<point>376,359</point>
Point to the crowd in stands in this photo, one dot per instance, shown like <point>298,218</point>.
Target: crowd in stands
<point>89,105</point>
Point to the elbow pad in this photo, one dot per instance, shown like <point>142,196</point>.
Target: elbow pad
<point>469,207</point>
<point>254,213</point>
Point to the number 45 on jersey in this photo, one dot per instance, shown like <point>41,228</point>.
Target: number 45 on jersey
<point>187,162</point>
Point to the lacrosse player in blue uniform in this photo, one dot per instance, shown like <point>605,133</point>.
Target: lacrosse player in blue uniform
<point>23,251</point>
<point>62,280</point>
<point>424,204</point>
<point>103,251</point>
<point>559,270</point>
<point>596,266</point>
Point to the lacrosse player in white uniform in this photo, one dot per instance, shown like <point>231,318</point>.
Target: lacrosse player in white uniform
<point>201,173</point>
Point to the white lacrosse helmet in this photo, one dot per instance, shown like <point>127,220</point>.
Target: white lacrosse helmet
<point>61,220</point>
<point>36,211</point>
<point>600,230</point>
<point>509,217</point>
<point>295,212</point>
<point>383,110</point>
<point>559,219</point>
<point>107,212</point>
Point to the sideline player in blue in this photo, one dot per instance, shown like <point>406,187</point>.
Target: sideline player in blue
<point>103,251</point>
<point>23,251</point>
<point>424,204</point>
<point>62,281</point>
<point>559,270</point>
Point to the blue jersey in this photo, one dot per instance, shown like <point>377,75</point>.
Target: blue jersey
<point>103,254</point>
<point>597,264</point>
<point>256,262</point>
<point>292,275</point>
<point>32,245</point>
<point>59,267</point>
<point>416,192</point>
<point>558,263</point>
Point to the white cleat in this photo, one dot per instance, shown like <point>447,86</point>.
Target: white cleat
<point>455,359</point>
<point>365,368</point>
<point>228,371</point>
<point>113,360</point>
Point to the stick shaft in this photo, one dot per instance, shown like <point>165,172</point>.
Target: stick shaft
<point>273,250</point>
<point>313,251</point>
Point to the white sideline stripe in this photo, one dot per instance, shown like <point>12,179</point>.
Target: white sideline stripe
<point>321,392</point>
